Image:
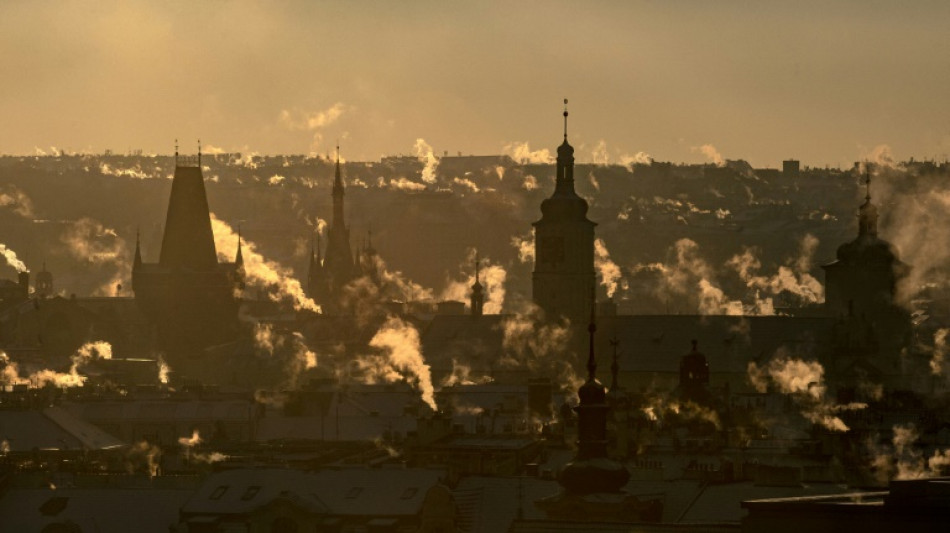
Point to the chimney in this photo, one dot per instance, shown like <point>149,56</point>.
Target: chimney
<point>24,284</point>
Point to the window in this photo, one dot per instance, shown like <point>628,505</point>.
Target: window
<point>251,492</point>
<point>218,492</point>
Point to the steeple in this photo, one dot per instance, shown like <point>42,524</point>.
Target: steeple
<point>239,258</point>
<point>478,294</point>
<point>592,471</point>
<point>137,262</point>
<point>338,193</point>
<point>867,213</point>
<point>565,163</point>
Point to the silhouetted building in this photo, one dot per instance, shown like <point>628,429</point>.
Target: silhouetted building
<point>329,274</point>
<point>478,292</point>
<point>14,293</point>
<point>694,376</point>
<point>43,286</point>
<point>860,290</point>
<point>791,168</point>
<point>563,275</point>
<point>190,296</point>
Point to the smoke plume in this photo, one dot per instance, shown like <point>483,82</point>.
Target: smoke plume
<point>609,271</point>
<point>398,342</point>
<point>424,152</point>
<point>259,270</point>
<point>11,258</point>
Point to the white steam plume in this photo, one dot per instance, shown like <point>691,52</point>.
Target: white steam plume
<point>258,269</point>
<point>639,158</point>
<point>95,244</point>
<point>401,355</point>
<point>522,153</point>
<point>793,277</point>
<point>424,152</point>
<point>609,271</point>
<point>17,200</point>
<point>11,258</point>
<point>492,278</point>
<point>711,153</point>
<point>525,246</point>
<point>804,382</point>
<point>315,122</point>
<point>84,355</point>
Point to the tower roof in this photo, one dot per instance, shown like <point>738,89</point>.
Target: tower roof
<point>188,241</point>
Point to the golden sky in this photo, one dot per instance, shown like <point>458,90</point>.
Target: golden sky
<point>823,82</point>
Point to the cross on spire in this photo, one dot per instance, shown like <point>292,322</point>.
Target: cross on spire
<point>565,119</point>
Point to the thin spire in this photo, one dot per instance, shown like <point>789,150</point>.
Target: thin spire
<point>565,119</point>
<point>239,258</point>
<point>137,261</point>
<point>199,153</point>
<point>176,152</point>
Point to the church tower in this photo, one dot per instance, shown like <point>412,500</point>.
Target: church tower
<point>863,280</point>
<point>478,292</point>
<point>563,277</point>
<point>871,329</point>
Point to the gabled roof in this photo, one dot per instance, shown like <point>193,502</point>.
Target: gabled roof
<point>357,491</point>
<point>52,428</point>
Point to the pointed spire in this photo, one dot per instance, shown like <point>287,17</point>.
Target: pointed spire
<point>137,262</point>
<point>199,153</point>
<point>565,120</point>
<point>176,152</point>
<point>239,259</point>
<point>867,213</point>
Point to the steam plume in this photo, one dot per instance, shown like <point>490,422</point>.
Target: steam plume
<point>399,343</point>
<point>258,269</point>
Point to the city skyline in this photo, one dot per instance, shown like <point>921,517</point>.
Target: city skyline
<point>827,85</point>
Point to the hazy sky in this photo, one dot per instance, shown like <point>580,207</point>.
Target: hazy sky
<point>824,82</point>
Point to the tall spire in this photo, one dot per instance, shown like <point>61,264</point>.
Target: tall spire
<point>338,192</point>
<point>565,163</point>
<point>137,262</point>
<point>478,294</point>
<point>867,213</point>
<point>591,329</point>
<point>176,152</point>
<point>565,120</point>
<point>239,258</point>
<point>199,153</point>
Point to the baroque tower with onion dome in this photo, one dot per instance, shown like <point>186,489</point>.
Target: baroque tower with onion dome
<point>563,276</point>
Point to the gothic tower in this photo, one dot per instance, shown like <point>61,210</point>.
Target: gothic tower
<point>188,294</point>
<point>478,292</point>
<point>563,277</point>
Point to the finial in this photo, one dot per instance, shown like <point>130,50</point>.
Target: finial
<point>176,152</point>
<point>565,119</point>
<point>199,153</point>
